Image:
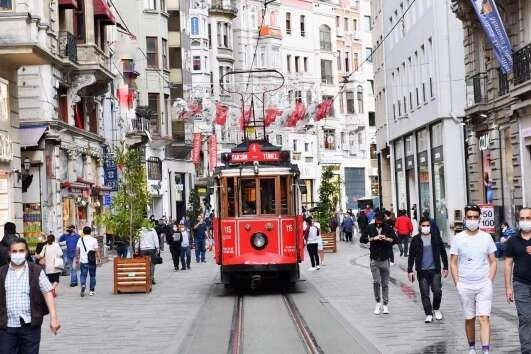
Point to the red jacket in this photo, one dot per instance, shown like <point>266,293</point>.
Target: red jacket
<point>403,226</point>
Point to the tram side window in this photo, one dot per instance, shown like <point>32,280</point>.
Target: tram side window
<point>231,196</point>
<point>248,194</point>
<point>284,195</point>
<point>267,196</point>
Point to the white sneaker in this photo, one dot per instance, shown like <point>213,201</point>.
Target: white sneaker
<point>311,268</point>
<point>392,263</point>
<point>438,315</point>
<point>91,293</point>
<point>472,351</point>
<point>318,267</point>
<point>428,319</point>
<point>378,309</point>
<point>385,309</point>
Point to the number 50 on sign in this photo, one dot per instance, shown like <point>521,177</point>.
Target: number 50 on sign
<point>487,221</point>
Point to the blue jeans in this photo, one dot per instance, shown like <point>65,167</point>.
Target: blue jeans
<point>70,265</point>
<point>522,298</point>
<point>186,255</point>
<point>122,251</point>
<point>25,339</point>
<point>200,250</point>
<point>91,270</point>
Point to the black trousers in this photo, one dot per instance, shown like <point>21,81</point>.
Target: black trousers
<point>22,340</point>
<point>314,254</point>
<point>348,236</point>
<point>430,279</point>
<point>175,250</point>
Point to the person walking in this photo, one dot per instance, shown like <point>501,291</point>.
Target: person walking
<point>363,221</point>
<point>148,245</point>
<point>473,268</point>
<point>70,238</point>
<point>381,239</point>
<point>87,256</point>
<point>518,277</point>
<point>186,252</point>
<point>10,234</point>
<point>174,239</point>
<point>404,228</point>
<point>348,226</point>
<point>391,223</point>
<point>25,298</point>
<point>200,230</point>
<point>50,253</point>
<point>426,253</point>
<point>312,236</point>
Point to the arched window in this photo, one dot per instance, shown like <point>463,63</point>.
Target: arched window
<point>325,38</point>
<point>195,26</point>
<point>360,99</point>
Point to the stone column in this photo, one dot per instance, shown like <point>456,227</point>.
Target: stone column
<point>89,22</point>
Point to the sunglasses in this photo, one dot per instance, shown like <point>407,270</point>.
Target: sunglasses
<point>472,207</point>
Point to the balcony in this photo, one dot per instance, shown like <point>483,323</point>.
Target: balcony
<point>522,65</point>
<point>93,59</point>
<point>220,8</point>
<point>174,39</point>
<point>138,125</point>
<point>476,91</point>
<point>503,83</point>
<point>68,46</point>
<point>269,31</point>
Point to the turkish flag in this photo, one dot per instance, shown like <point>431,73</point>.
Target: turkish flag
<point>298,114</point>
<point>213,153</point>
<point>125,97</point>
<point>196,148</point>
<point>195,107</point>
<point>323,109</point>
<point>271,115</point>
<point>221,114</point>
<point>245,117</point>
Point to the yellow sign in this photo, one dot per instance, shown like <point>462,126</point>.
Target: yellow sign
<point>250,130</point>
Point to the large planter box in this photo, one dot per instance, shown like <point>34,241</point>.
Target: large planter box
<point>132,275</point>
<point>329,242</point>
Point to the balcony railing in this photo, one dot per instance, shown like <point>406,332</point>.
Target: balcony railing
<point>68,46</point>
<point>522,65</point>
<point>476,89</point>
<point>503,83</point>
<point>220,7</point>
<point>139,125</point>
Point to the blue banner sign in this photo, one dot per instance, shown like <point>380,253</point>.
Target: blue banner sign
<point>110,172</point>
<point>490,20</point>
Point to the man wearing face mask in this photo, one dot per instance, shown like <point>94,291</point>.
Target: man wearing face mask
<point>426,253</point>
<point>25,298</point>
<point>473,267</point>
<point>518,279</point>
<point>382,238</point>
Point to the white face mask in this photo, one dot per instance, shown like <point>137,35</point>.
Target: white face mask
<point>425,230</point>
<point>525,226</point>
<point>472,225</point>
<point>18,258</point>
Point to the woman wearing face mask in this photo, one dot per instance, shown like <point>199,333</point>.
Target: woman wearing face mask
<point>50,253</point>
<point>473,265</point>
<point>426,253</point>
<point>174,239</point>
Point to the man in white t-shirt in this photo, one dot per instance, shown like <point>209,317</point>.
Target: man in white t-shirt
<point>87,256</point>
<point>473,268</point>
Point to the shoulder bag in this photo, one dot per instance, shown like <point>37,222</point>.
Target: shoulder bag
<point>91,255</point>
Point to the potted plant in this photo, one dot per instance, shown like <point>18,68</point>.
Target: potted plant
<point>329,196</point>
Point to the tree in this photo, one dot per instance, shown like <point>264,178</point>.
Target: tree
<point>329,195</point>
<point>194,206</point>
<point>129,205</point>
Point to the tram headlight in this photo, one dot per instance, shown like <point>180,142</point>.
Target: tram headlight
<point>259,241</point>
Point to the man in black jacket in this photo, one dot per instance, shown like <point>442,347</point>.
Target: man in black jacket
<point>426,252</point>
<point>382,237</point>
<point>174,239</point>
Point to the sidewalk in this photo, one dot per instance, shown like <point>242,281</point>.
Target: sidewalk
<point>130,323</point>
<point>346,283</point>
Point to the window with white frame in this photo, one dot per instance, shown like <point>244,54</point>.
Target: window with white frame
<point>325,38</point>
<point>148,4</point>
<point>195,26</point>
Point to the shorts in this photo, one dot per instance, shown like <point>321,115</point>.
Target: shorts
<point>476,298</point>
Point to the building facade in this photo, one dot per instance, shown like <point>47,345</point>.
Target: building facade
<point>498,116</point>
<point>420,105</point>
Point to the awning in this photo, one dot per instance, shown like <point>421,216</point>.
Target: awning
<point>68,4</point>
<point>31,136</point>
<point>103,11</point>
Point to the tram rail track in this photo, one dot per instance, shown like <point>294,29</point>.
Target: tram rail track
<point>305,335</point>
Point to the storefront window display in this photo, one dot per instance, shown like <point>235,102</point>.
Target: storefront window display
<point>32,224</point>
<point>400,175</point>
<point>423,171</point>
<point>488,189</point>
<point>439,190</point>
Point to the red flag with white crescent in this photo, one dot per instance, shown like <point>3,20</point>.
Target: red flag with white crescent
<point>222,112</point>
<point>213,153</point>
<point>196,148</point>
<point>271,115</point>
<point>298,114</point>
<point>323,109</point>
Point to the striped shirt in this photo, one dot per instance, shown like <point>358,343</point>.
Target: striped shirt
<point>18,294</point>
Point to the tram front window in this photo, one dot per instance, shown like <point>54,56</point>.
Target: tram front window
<point>248,191</point>
<point>267,195</point>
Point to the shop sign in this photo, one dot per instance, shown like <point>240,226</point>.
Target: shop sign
<point>399,165</point>
<point>107,200</point>
<point>487,222</point>
<point>410,162</point>
<point>6,147</point>
<point>484,142</point>
<point>110,172</point>
<point>437,154</point>
<point>423,158</point>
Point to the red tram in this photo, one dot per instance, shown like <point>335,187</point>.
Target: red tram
<point>258,232</point>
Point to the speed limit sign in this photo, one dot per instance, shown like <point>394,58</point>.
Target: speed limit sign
<point>487,223</point>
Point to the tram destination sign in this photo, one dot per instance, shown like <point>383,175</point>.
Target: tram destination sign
<point>255,153</point>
